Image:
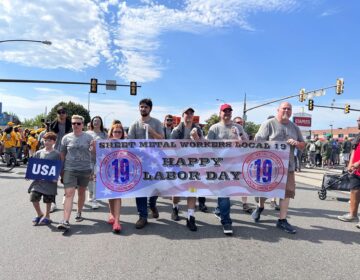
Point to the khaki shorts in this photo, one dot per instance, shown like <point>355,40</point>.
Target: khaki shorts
<point>74,179</point>
<point>290,185</point>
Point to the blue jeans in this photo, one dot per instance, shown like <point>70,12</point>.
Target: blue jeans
<point>224,207</point>
<point>141,204</point>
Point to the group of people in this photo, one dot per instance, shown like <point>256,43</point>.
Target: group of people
<point>328,153</point>
<point>68,141</point>
<point>19,144</point>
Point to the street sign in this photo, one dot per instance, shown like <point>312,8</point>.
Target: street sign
<point>110,85</point>
<point>302,121</point>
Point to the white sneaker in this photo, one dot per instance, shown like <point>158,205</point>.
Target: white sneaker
<point>63,201</point>
<point>95,205</point>
<point>53,207</point>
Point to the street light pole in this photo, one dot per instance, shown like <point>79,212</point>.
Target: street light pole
<point>46,42</point>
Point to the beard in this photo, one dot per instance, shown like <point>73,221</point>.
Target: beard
<point>144,114</point>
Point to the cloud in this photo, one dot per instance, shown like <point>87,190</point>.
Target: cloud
<point>76,29</point>
<point>329,13</point>
<point>85,32</point>
<point>48,90</point>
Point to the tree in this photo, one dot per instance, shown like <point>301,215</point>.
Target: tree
<point>15,118</point>
<point>71,109</point>
<point>36,121</point>
<point>209,122</point>
<point>251,129</point>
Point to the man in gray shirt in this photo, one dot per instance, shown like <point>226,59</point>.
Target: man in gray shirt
<point>146,128</point>
<point>281,128</point>
<point>224,130</point>
<point>187,129</point>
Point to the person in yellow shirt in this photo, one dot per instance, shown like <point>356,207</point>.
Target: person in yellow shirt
<point>32,142</point>
<point>9,139</point>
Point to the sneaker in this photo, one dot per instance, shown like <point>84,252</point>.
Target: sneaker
<point>256,214</point>
<point>285,226</point>
<point>53,207</point>
<point>141,223</point>
<point>190,223</point>
<point>227,228</point>
<point>175,214</point>
<point>247,208</point>
<point>348,218</point>
<point>256,199</point>
<point>64,225</point>
<point>154,212</point>
<point>274,205</point>
<point>358,225</point>
<point>94,205</point>
<point>217,213</point>
<point>203,208</point>
<point>78,217</point>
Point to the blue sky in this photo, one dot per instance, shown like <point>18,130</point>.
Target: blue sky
<point>182,53</point>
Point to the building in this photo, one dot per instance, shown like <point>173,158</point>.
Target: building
<point>338,133</point>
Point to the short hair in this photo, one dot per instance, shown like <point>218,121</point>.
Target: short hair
<point>50,136</point>
<point>146,101</point>
<point>78,117</point>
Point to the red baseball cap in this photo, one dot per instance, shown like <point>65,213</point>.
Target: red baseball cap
<point>225,106</point>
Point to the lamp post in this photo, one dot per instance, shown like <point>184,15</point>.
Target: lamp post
<point>46,42</point>
<point>108,114</point>
<point>331,130</point>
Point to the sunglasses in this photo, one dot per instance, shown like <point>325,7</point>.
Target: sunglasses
<point>117,131</point>
<point>61,112</point>
<point>169,120</point>
<point>76,123</point>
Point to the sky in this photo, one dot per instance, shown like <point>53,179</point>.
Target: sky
<point>197,53</point>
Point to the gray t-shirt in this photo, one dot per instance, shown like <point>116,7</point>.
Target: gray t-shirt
<point>59,136</point>
<point>42,186</point>
<point>220,131</point>
<point>137,131</point>
<point>167,132</point>
<point>77,153</point>
<point>175,134</point>
<point>96,136</point>
<point>273,130</point>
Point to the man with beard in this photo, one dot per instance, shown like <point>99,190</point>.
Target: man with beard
<point>226,129</point>
<point>187,129</point>
<point>146,128</point>
<point>354,169</point>
<point>281,128</point>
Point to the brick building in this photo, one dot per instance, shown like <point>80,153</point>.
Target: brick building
<point>338,133</point>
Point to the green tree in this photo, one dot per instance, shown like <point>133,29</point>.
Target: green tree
<point>36,121</point>
<point>251,128</point>
<point>209,122</point>
<point>71,109</point>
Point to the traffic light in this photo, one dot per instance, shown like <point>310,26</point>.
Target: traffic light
<point>133,88</point>
<point>347,109</point>
<point>311,105</point>
<point>339,86</point>
<point>302,95</point>
<point>93,85</point>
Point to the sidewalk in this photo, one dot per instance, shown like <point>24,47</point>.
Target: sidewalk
<point>314,176</point>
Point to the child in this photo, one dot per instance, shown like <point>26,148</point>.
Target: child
<point>32,142</point>
<point>46,189</point>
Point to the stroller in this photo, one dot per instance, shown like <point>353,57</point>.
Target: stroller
<point>334,182</point>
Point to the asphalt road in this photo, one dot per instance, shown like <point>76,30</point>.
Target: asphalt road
<point>323,248</point>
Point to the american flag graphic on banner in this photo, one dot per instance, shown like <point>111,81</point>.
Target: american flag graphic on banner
<point>139,168</point>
